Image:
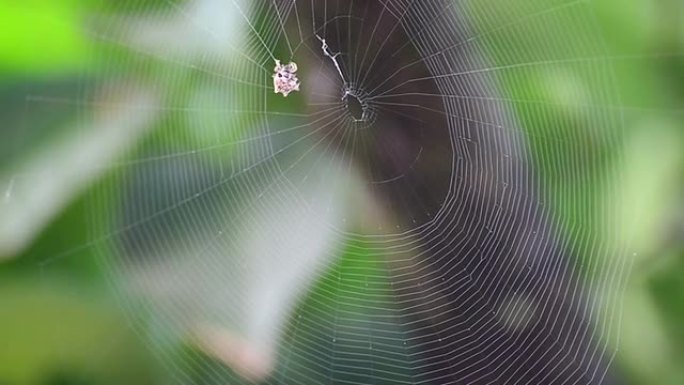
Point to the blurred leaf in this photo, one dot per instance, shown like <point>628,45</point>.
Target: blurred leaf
<point>650,188</point>
<point>363,319</point>
<point>43,183</point>
<point>41,36</point>
<point>210,29</point>
<point>49,335</point>
<point>233,295</point>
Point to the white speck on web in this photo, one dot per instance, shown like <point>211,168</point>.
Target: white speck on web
<point>8,192</point>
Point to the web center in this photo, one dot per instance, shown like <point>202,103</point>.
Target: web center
<point>355,106</point>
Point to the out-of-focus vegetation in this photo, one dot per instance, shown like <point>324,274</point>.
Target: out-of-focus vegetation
<point>61,322</point>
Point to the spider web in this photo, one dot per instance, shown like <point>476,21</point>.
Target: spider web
<point>422,211</point>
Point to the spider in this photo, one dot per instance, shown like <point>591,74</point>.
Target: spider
<point>285,78</point>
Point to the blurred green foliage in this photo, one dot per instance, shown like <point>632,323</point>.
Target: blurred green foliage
<point>61,324</point>
<point>42,37</point>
